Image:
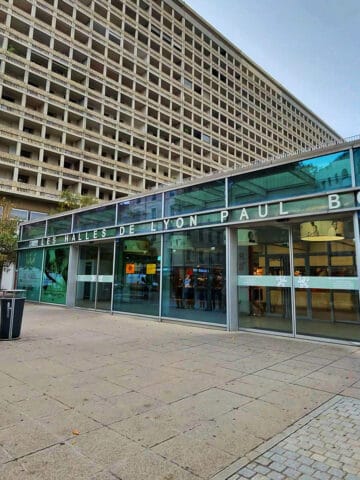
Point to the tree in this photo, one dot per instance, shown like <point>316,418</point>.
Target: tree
<point>71,201</point>
<point>8,234</point>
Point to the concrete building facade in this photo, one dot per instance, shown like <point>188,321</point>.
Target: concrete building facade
<point>110,98</point>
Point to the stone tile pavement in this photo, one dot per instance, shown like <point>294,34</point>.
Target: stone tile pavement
<point>95,396</point>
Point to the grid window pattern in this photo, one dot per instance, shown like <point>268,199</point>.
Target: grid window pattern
<point>109,98</point>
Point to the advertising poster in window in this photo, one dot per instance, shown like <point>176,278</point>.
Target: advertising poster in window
<point>54,277</point>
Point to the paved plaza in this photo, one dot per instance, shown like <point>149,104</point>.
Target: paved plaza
<point>95,396</point>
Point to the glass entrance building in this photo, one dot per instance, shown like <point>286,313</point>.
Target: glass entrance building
<point>272,248</point>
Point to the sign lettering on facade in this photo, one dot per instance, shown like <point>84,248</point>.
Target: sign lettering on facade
<point>252,213</point>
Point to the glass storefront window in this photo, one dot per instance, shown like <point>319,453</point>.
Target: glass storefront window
<point>194,276</point>
<point>54,276</point>
<point>96,218</point>
<point>326,281</point>
<point>357,165</point>
<point>140,209</point>
<point>33,230</point>
<point>196,198</point>
<point>137,277</point>
<point>29,275</point>
<point>316,175</point>
<point>59,225</point>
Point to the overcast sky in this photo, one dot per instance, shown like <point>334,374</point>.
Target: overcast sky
<point>312,47</point>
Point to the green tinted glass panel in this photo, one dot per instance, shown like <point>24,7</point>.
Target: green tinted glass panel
<point>96,218</point>
<point>57,226</point>
<point>54,277</point>
<point>30,273</point>
<point>357,165</point>
<point>320,174</point>
<point>196,198</point>
<point>140,209</point>
<point>33,230</point>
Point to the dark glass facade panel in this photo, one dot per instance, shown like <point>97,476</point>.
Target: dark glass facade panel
<point>140,209</point>
<point>33,230</point>
<point>59,225</point>
<point>196,198</point>
<point>55,275</point>
<point>316,175</point>
<point>137,277</point>
<point>357,165</point>
<point>194,276</point>
<point>29,275</point>
<point>96,218</point>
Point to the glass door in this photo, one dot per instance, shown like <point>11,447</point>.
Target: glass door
<point>105,277</point>
<point>95,276</point>
<point>263,279</point>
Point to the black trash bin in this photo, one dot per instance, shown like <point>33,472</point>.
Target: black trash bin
<point>11,313</point>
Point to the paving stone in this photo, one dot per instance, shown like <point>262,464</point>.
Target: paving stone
<point>261,469</point>
<point>321,476</point>
<point>276,476</point>
<point>291,473</point>
<point>247,473</point>
<point>326,448</point>
<point>93,396</point>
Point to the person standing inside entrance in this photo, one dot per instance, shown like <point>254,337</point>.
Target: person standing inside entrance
<point>188,291</point>
<point>216,290</point>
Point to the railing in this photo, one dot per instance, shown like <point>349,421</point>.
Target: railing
<point>312,148</point>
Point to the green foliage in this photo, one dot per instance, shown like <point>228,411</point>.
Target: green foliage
<point>8,234</point>
<point>71,201</point>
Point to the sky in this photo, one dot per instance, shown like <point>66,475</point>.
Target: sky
<point>311,47</point>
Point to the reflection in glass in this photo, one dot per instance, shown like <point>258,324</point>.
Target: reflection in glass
<point>263,279</point>
<point>320,174</point>
<point>195,198</point>
<point>59,225</point>
<point>95,218</point>
<point>54,278</point>
<point>137,278</point>
<point>30,273</point>
<point>140,209</point>
<point>33,230</point>
<point>357,165</point>
<point>194,276</point>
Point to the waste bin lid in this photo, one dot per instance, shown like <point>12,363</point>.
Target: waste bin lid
<point>13,293</point>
